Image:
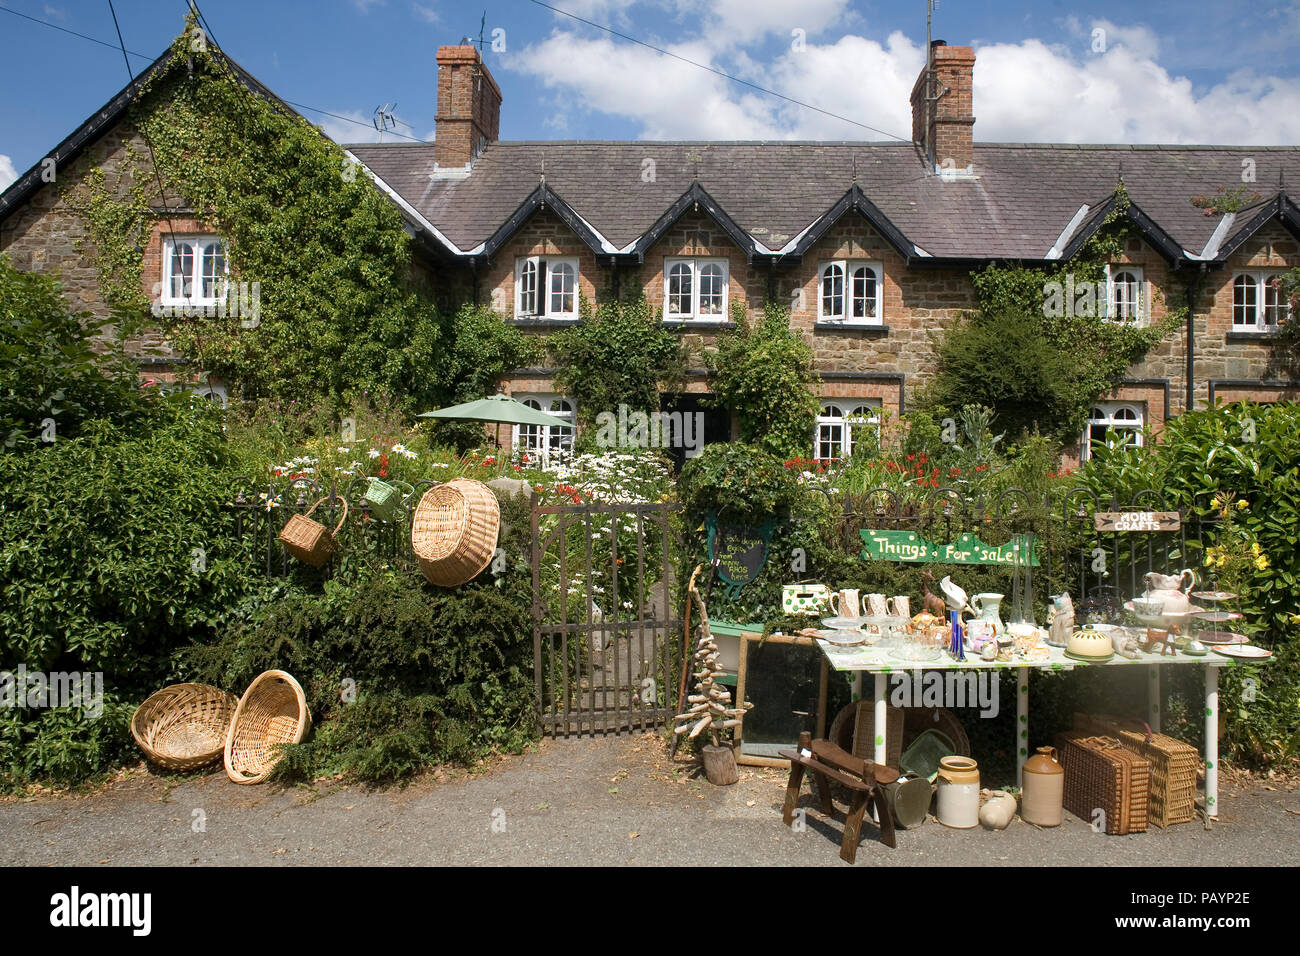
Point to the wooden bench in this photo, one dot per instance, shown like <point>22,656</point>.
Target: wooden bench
<point>862,778</point>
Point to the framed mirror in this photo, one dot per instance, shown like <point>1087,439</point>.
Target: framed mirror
<point>785,678</point>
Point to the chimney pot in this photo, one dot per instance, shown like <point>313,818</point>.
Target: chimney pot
<point>951,131</point>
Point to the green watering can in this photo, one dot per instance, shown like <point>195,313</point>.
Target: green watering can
<point>384,498</point>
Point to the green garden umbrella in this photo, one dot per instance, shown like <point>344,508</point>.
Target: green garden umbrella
<point>500,409</point>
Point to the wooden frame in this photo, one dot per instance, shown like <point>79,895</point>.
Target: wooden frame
<point>746,640</point>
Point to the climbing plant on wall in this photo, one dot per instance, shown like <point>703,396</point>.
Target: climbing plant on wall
<point>338,307</point>
<point>1039,348</point>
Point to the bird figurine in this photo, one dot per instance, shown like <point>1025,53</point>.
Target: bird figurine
<point>955,596</point>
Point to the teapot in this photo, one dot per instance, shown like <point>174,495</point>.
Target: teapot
<point>1170,589</point>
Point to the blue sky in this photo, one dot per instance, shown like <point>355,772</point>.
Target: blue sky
<point>1174,72</point>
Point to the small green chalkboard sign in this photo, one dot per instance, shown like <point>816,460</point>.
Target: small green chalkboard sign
<point>967,549</point>
<point>739,551</point>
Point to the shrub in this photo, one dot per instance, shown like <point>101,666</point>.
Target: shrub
<point>765,374</point>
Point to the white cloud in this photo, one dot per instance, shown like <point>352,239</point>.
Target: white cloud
<point>7,172</point>
<point>361,131</point>
<point>426,13</point>
<point>1030,91</point>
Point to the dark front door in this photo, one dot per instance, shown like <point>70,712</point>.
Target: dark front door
<point>694,425</point>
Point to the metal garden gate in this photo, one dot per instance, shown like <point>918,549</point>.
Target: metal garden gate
<point>607,624</point>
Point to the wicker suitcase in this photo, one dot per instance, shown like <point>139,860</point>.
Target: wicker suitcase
<point>1100,774</point>
<point>1174,765</point>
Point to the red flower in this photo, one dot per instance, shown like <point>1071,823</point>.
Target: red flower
<point>911,457</point>
<point>933,483</point>
<point>519,468</point>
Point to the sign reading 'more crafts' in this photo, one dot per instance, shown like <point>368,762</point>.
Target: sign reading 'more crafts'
<point>967,549</point>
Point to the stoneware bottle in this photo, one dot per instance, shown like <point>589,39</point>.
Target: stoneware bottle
<point>959,793</point>
<point>1044,789</point>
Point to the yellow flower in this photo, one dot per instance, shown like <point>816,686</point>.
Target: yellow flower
<point>1256,548</point>
<point>1241,504</point>
<point>1261,563</point>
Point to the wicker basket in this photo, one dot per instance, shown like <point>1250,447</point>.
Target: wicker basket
<point>273,711</point>
<point>454,531</point>
<point>1174,765</point>
<point>310,541</point>
<point>1101,774</point>
<point>854,730</point>
<point>183,727</point>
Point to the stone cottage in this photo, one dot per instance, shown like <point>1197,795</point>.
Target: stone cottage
<point>871,245</point>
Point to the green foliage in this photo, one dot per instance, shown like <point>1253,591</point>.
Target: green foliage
<point>439,675</point>
<point>619,354</point>
<point>340,307</point>
<point>114,549</point>
<point>49,368</point>
<point>1226,200</point>
<point>1034,364</point>
<point>737,482</point>
<point>765,374</point>
<point>1243,455</point>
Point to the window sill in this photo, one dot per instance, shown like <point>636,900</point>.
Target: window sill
<point>544,323</point>
<point>1269,335</point>
<point>700,323</point>
<point>865,328</point>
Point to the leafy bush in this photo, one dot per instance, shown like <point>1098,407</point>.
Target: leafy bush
<point>49,368</point>
<point>765,374</point>
<point>737,482</point>
<point>398,675</point>
<point>619,354</point>
<point>115,550</point>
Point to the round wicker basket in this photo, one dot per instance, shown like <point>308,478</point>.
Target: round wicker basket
<point>454,531</point>
<point>273,711</point>
<point>183,727</point>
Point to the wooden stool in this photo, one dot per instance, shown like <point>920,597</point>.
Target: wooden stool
<point>863,779</point>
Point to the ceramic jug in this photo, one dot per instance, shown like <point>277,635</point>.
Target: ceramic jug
<point>1171,589</point>
<point>845,603</point>
<point>959,793</point>
<point>986,606</point>
<point>1043,789</point>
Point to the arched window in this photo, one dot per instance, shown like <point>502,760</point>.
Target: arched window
<point>711,289</point>
<point>830,434</point>
<point>680,298</point>
<point>564,283</point>
<point>1258,303</point>
<point>1126,295</point>
<point>528,287</point>
<point>546,440</point>
<point>1124,420</point>
<point>859,302</point>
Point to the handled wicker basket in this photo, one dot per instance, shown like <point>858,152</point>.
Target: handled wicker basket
<point>454,531</point>
<point>273,711</point>
<point>310,541</point>
<point>183,727</point>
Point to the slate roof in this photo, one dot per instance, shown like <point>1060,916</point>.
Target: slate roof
<point>1017,205</point>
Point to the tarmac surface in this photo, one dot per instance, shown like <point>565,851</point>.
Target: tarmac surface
<point>576,802</point>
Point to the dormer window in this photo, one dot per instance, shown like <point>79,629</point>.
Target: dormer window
<point>1125,294</point>
<point>695,289</point>
<point>849,292</point>
<point>546,288</point>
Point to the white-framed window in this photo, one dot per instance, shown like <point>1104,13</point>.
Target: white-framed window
<point>194,270</point>
<point>547,440</point>
<point>1126,299</point>
<point>841,425</point>
<point>1124,418</point>
<point>546,287</point>
<point>849,291</point>
<point>695,289</point>
<point>1258,304</point>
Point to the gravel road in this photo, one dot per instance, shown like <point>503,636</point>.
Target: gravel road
<point>574,802</point>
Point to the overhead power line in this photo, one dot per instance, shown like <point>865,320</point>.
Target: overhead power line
<point>721,73</point>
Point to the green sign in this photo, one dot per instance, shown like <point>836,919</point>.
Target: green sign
<point>740,551</point>
<point>967,549</point>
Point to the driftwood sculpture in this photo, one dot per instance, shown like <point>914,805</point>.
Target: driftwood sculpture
<point>710,706</point>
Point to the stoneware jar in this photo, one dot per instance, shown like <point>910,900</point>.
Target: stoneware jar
<point>959,793</point>
<point>1043,790</point>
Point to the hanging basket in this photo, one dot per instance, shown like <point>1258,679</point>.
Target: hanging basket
<point>454,531</point>
<point>384,499</point>
<point>310,541</point>
<point>273,711</point>
<point>183,727</point>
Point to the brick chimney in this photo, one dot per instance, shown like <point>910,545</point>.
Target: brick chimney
<point>469,107</point>
<point>952,121</point>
